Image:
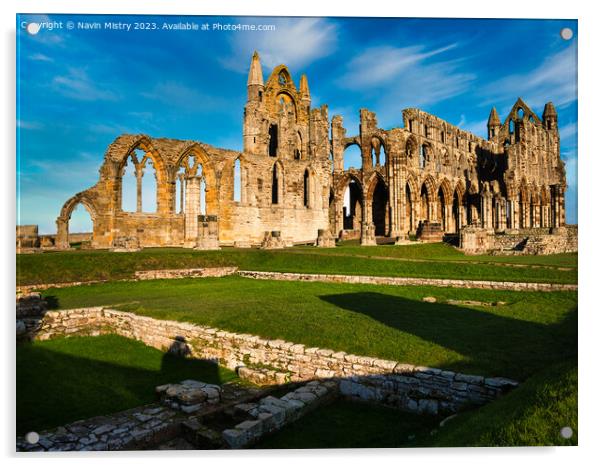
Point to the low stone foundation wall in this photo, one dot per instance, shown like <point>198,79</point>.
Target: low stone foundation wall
<point>405,281</point>
<point>532,241</point>
<point>414,388</point>
<point>185,273</point>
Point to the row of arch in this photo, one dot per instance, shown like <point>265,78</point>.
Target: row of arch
<point>425,154</point>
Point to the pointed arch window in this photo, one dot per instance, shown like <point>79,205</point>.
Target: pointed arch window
<point>276,181</point>
<point>306,189</point>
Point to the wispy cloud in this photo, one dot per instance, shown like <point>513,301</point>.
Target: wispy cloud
<point>568,134</point>
<point>22,124</point>
<point>76,84</point>
<point>40,57</point>
<point>402,77</point>
<point>295,42</point>
<point>383,64</point>
<point>554,80</point>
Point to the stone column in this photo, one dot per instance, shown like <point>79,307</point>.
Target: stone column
<point>562,220</point>
<point>556,208</point>
<point>62,233</point>
<point>192,210</point>
<point>139,175</point>
<point>486,215</point>
<point>511,218</point>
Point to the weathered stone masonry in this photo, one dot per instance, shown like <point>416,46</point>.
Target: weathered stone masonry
<point>427,178</point>
<point>413,388</point>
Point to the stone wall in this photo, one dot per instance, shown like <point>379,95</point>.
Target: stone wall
<point>185,273</point>
<point>476,240</point>
<point>408,281</point>
<point>414,388</point>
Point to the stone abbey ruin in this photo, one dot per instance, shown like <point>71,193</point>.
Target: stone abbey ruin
<point>426,180</point>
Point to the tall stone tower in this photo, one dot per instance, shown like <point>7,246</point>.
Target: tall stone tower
<point>277,116</point>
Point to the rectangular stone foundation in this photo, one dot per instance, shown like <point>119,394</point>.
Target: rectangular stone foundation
<point>414,388</point>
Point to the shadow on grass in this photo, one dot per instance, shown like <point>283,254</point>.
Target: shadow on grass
<point>56,385</point>
<point>485,339</point>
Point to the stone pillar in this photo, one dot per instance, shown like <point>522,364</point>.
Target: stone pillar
<point>511,218</point>
<point>139,175</point>
<point>367,237</point>
<point>562,220</point>
<point>486,211</point>
<point>208,234</point>
<point>62,233</point>
<point>192,210</point>
<point>556,212</point>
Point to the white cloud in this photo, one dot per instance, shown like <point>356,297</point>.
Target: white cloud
<point>403,77</point>
<point>296,42</point>
<point>382,64</point>
<point>40,57</point>
<point>553,80</point>
<point>568,132</point>
<point>79,86</point>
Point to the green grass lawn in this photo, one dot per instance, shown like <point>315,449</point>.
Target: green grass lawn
<point>345,424</point>
<point>439,252</point>
<point>439,261</point>
<point>533,330</point>
<point>67,379</point>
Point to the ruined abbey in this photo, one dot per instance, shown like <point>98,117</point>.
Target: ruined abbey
<point>426,179</point>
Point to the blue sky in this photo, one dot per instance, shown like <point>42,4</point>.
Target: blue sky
<point>79,89</point>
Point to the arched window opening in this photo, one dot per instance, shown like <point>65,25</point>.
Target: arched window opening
<point>298,147</point>
<point>306,189</point>
<point>203,197</point>
<point>273,144</point>
<point>275,185</point>
<point>423,156</point>
<point>409,208</point>
<point>442,209</point>
<point>149,187</point>
<point>139,183</point>
<point>80,226</point>
<point>129,190</point>
<point>521,113</point>
<point>352,157</point>
<point>456,213</point>
<point>237,189</point>
<point>380,209</point>
<point>511,127</point>
<point>375,150</point>
<point>179,194</point>
<point>352,207</point>
<point>424,203</point>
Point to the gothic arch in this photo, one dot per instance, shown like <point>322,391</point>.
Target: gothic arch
<point>200,158</point>
<point>62,222</point>
<point>80,198</point>
<point>144,143</point>
<point>431,186</point>
<point>412,183</point>
<point>411,147</point>
<point>446,188</point>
